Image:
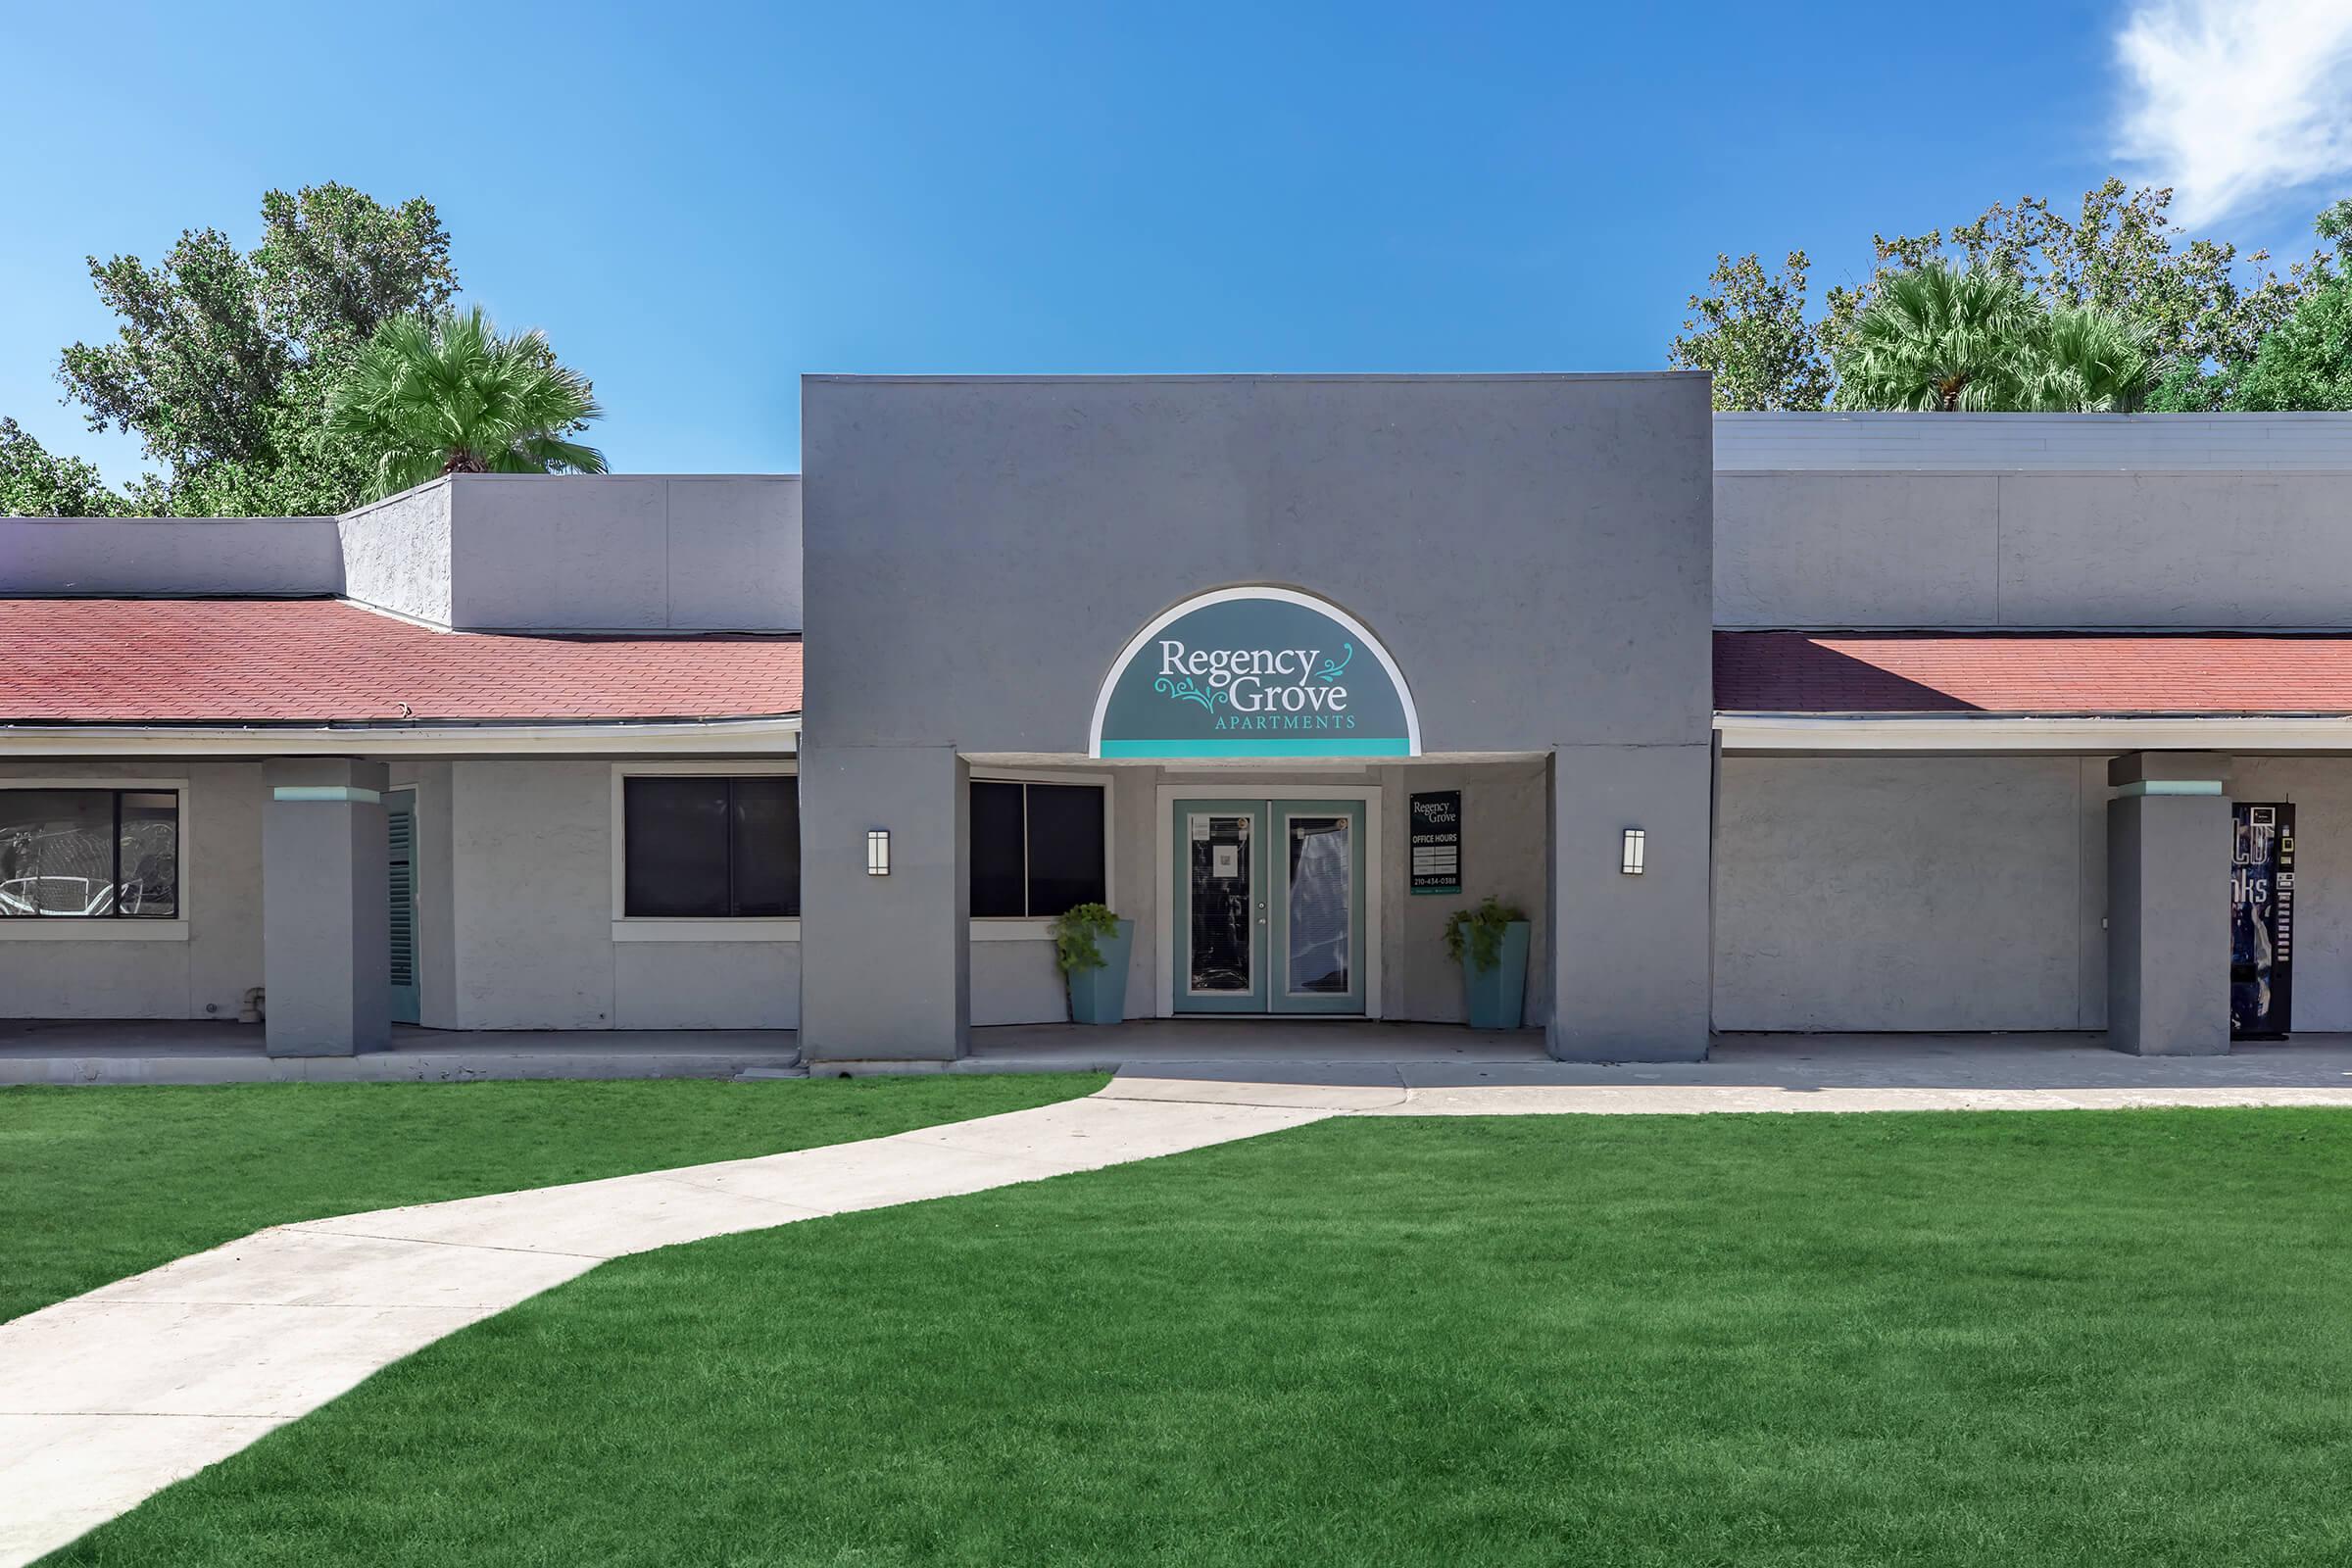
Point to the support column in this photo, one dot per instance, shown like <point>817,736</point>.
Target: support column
<point>885,961</point>
<point>2168,914</point>
<point>1629,953</point>
<point>326,945</point>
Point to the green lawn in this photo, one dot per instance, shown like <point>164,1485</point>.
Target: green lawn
<point>96,1184</point>
<point>2064,1338</point>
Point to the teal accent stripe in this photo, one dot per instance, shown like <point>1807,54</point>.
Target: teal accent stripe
<point>2174,786</point>
<point>325,791</point>
<point>1219,746</point>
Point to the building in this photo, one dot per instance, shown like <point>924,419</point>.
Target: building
<point>1930,723</point>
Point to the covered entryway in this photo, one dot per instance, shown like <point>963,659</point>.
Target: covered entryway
<point>1271,900</point>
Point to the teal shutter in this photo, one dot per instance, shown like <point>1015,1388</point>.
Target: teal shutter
<point>400,812</point>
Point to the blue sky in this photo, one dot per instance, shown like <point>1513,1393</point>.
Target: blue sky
<point>701,202</point>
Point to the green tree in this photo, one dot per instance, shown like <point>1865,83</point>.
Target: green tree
<point>2202,303</point>
<point>1939,339</point>
<point>224,359</point>
<point>1936,338</point>
<point>1749,330</point>
<point>34,482</point>
<point>2085,360</point>
<point>2303,364</point>
<point>449,394</point>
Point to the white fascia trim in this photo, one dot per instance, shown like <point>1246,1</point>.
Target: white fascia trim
<point>1815,732</point>
<point>720,737</point>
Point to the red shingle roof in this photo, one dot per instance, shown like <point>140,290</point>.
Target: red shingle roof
<point>246,661</point>
<point>260,660</point>
<point>2030,674</point>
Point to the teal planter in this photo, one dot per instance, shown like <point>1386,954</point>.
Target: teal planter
<point>1100,995</point>
<point>1497,996</point>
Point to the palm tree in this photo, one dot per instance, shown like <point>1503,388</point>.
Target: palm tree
<point>1941,341</point>
<point>2094,362</point>
<point>449,394</point>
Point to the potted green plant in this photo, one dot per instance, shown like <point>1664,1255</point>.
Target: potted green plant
<point>1490,943</point>
<point>1092,943</point>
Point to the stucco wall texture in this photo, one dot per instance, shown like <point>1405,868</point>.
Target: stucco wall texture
<point>573,552</point>
<point>146,977</point>
<point>1969,893</point>
<point>1532,551</point>
<point>532,898</point>
<point>103,556</point>
<point>1965,549</point>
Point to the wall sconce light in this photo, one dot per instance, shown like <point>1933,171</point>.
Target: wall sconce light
<point>1635,843</point>
<point>877,851</point>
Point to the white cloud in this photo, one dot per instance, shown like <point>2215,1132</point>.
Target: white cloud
<point>2236,103</point>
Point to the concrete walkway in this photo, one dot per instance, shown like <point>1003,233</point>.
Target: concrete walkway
<point>109,1398</point>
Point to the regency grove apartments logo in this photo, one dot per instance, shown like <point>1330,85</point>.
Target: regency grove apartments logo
<point>1260,688</point>
<point>1255,673</point>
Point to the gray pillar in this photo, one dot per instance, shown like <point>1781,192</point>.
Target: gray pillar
<point>885,961</point>
<point>1629,953</point>
<point>327,945</point>
<point>2167,906</point>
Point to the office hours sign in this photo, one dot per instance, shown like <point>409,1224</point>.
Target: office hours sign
<point>1435,841</point>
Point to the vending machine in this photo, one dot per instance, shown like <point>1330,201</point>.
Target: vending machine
<point>2262,921</point>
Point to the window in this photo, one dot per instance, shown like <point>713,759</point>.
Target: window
<point>695,847</point>
<point>89,853</point>
<point>1037,849</point>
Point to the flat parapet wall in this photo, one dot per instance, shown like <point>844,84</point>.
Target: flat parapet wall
<point>133,557</point>
<point>1987,520</point>
<point>584,553</point>
<point>2070,443</point>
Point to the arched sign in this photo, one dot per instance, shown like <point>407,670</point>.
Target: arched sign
<point>1255,673</point>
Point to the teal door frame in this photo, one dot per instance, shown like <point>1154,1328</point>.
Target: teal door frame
<point>400,826</point>
<point>1281,998</point>
<point>1252,999</point>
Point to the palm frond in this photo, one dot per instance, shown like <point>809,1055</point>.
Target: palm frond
<point>449,393</point>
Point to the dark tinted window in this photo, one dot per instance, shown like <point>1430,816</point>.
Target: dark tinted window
<point>1065,846</point>
<point>998,850</point>
<point>710,848</point>
<point>768,846</point>
<point>1037,849</point>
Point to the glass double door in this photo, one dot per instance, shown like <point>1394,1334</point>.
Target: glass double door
<point>1269,905</point>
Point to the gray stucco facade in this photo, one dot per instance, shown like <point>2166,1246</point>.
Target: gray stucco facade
<point>1532,551</point>
<point>1546,560</point>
